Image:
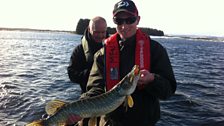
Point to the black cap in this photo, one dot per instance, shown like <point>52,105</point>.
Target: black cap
<point>126,6</point>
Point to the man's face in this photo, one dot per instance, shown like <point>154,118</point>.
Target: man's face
<point>98,31</point>
<point>126,24</point>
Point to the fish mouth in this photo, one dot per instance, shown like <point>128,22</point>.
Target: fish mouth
<point>136,70</point>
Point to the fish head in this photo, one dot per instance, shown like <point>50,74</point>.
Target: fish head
<point>129,82</point>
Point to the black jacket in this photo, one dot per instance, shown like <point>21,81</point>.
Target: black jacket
<point>146,109</point>
<point>82,59</point>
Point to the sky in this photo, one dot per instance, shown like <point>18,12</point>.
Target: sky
<point>179,17</point>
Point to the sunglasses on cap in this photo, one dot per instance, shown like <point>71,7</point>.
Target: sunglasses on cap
<point>120,21</point>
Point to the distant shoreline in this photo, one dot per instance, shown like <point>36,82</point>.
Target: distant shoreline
<point>30,29</point>
<point>198,37</point>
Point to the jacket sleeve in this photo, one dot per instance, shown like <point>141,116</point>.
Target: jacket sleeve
<point>164,84</point>
<point>96,83</point>
<point>78,70</point>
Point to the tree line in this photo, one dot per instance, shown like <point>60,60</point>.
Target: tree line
<point>83,24</point>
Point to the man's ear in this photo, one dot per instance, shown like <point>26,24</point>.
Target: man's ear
<point>138,19</point>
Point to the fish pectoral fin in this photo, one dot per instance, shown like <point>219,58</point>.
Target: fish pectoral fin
<point>92,121</point>
<point>53,106</point>
<point>130,101</point>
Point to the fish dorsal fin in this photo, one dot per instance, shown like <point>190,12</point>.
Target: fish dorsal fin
<point>53,106</point>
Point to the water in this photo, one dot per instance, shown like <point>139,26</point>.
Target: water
<point>33,72</point>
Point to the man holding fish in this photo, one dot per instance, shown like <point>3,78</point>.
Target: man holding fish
<point>122,50</point>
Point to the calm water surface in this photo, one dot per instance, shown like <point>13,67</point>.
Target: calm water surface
<point>33,72</point>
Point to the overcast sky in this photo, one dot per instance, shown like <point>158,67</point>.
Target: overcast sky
<point>197,17</point>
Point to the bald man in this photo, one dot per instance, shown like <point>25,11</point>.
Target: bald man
<point>82,57</point>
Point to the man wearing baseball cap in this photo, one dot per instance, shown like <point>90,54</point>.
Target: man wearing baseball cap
<point>122,50</point>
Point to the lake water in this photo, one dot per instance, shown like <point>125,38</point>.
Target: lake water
<point>33,72</point>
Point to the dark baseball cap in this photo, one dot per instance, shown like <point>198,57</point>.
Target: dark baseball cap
<point>126,6</point>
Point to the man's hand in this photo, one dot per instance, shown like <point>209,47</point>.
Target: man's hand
<point>145,78</point>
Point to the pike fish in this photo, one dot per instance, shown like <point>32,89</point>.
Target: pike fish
<point>59,112</point>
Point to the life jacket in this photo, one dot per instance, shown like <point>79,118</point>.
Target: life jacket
<point>90,47</point>
<point>87,51</point>
<point>112,57</point>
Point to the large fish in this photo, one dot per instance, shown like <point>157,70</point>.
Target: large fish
<point>59,111</point>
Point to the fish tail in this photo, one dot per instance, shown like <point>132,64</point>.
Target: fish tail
<point>36,123</point>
